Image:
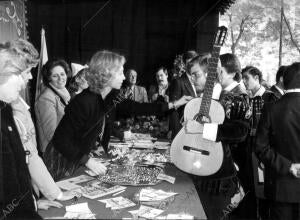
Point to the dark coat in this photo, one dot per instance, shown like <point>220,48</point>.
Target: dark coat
<point>178,88</point>
<point>276,92</point>
<point>278,146</point>
<point>76,134</point>
<point>16,198</point>
<point>234,129</point>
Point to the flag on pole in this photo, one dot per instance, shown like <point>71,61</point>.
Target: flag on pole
<point>43,60</point>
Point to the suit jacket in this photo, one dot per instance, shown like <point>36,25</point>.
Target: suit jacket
<point>16,198</point>
<point>276,92</point>
<point>178,88</point>
<point>278,146</point>
<point>49,110</point>
<point>154,90</point>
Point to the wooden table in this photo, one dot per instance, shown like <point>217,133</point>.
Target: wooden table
<point>187,200</point>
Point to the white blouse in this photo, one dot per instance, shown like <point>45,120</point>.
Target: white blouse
<point>40,176</point>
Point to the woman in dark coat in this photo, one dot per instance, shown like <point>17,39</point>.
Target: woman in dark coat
<point>87,114</point>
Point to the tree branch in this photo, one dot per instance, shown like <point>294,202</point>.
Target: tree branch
<point>241,31</point>
<point>290,31</point>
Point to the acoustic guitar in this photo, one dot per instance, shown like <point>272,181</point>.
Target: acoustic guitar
<point>190,152</point>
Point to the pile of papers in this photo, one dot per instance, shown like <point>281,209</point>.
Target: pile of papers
<point>117,203</point>
<point>146,212</point>
<point>156,198</point>
<point>95,189</point>
<point>79,211</point>
<point>150,194</point>
<point>89,187</point>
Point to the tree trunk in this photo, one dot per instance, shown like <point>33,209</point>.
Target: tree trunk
<point>281,33</point>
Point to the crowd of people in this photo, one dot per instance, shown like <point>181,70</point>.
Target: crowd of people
<point>76,110</point>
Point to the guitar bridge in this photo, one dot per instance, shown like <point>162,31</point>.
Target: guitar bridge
<point>196,150</point>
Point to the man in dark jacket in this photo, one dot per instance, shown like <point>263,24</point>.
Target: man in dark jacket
<point>277,146</point>
<point>277,89</point>
<point>180,87</point>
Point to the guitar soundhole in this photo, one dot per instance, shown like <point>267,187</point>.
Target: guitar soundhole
<point>203,152</point>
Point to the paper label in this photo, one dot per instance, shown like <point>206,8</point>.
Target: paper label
<point>167,178</point>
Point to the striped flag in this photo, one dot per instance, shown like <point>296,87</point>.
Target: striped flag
<point>43,60</point>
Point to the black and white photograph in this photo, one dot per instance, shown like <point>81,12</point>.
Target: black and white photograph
<point>150,109</point>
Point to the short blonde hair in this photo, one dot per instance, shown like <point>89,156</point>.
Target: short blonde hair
<point>10,64</point>
<point>101,68</point>
<point>15,57</point>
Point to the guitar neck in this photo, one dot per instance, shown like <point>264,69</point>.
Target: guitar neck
<point>210,81</point>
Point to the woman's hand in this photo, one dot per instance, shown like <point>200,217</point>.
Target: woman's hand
<point>96,166</point>
<point>46,204</point>
<point>68,195</point>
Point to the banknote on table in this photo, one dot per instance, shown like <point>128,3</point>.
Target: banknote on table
<point>167,178</point>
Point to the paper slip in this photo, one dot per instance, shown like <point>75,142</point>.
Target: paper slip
<point>143,145</point>
<point>121,144</point>
<point>167,178</point>
<point>117,203</point>
<point>79,211</point>
<point>179,216</point>
<point>95,189</point>
<point>72,183</point>
<point>146,212</point>
<point>70,215</point>
<point>174,217</point>
<point>149,194</point>
<point>162,145</point>
<point>80,207</point>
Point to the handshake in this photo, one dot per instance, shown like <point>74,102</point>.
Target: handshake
<point>295,170</point>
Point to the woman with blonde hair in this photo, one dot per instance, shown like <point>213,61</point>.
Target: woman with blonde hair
<point>89,115</point>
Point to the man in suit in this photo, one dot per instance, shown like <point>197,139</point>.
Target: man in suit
<point>277,89</point>
<point>136,93</point>
<point>180,87</point>
<point>277,146</point>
